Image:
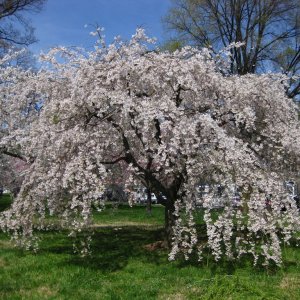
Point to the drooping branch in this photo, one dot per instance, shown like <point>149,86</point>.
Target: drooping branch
<point>158,131</point>
<point>112,162</point>
<point>13,154</point>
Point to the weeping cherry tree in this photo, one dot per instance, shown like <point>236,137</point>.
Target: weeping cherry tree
<point>168,121</point>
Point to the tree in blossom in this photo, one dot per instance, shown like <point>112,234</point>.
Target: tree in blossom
<point>169,121</point>
<point>12,173</point>
<point>15,119</point>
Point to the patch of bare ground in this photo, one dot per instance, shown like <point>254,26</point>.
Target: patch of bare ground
<point>43,292</point>
<point>157,245</point>
<point>5,244</point>
<point>176,296</point>
<point>2,263</point>
<point>290,283</point>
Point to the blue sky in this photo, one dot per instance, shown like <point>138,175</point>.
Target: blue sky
<point>62,21</point>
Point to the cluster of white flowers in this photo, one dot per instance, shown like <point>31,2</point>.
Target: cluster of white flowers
<point>171,121</point>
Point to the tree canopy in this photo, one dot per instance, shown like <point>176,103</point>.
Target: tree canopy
<point>170,121</point>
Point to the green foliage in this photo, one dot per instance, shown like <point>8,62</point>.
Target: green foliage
<point>172,45</point>
<point>55,119</point>
<point>5,202</point>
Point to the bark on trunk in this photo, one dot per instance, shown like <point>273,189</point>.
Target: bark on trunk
<point>149,207</point>
<point>169,222</point>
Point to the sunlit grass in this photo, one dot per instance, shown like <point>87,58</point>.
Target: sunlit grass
<point>123,214</point>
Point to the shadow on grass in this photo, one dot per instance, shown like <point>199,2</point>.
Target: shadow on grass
<point>5,202</point>
<point>112,248</point>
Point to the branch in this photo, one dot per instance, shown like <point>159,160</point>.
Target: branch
<point>158,131</point>
<point>6,152</point>
<point>114,161</point>
<point>295,91</point>
<point>135,128</point>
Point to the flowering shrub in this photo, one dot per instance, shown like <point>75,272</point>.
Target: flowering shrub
<point>170,120</point>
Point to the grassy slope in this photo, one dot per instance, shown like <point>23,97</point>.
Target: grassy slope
<point>121,268</point>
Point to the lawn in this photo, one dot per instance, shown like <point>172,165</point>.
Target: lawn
<point>121,267</point>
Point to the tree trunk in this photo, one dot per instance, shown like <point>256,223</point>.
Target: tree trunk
<point>170,219</point>
<point>149,207</point>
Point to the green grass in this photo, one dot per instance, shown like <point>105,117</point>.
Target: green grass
<point>5,201</point>
<point>120,267</point>
<point>123,214</point>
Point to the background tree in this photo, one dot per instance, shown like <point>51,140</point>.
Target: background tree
<point>16,32</point>
<point>15,27</point>
<point>12,173</point>
<point>268,29</point>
